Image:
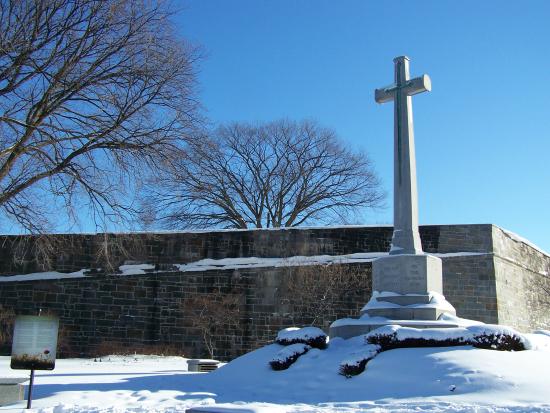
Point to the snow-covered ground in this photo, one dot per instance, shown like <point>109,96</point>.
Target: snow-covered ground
<point>452,379</point>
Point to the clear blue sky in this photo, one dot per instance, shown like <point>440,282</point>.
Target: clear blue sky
<point>482,134</point>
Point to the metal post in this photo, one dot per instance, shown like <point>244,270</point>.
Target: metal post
<point>29,399</point>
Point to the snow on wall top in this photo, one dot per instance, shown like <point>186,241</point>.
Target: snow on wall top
<point>228,264</point>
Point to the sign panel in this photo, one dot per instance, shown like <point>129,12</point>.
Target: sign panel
<point>34,342</point>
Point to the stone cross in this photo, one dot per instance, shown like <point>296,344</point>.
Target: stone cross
<point>412,282</point>
<point>406,239</point>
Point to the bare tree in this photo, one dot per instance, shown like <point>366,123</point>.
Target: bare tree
<point>316,294</point>
<point>279,174</point>
<point>7,319</point>
<point>213,314</point>
<point>92,94</point>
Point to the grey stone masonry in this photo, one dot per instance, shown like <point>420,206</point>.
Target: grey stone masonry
<point>488,275</point>
<point>407,274</point>
<point>11,389</point>
<point>22,254</point>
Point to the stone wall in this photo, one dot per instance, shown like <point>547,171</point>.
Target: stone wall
<point>137,312</point>
<point>72,252</point>
<point>487,275</point>
<point>469,285</point>
<point>522,282</point>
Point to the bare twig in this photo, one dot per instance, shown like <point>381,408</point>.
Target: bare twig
<point>280,174</point>
<point>93,94</point>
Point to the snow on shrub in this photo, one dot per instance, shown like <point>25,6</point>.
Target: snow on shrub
<point>495,337</point>
<point>288,355</point>
<point>357,362</point>
<point>393,336</point>
<point>312,336</point>
<point>482,336</point>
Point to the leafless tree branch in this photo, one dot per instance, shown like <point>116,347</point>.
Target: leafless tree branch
<point>279,174</point>
<point>92,94</point>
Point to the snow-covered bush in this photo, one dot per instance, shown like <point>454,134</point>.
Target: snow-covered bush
<point>494,337</point>
<point>356,364</point>
<point>288,355</point>
<point>481,336</point>
<point>312,336</point>
<point>392,336</point>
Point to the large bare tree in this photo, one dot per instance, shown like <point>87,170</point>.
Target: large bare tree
<point>92,94</point>
<point>279,174</point>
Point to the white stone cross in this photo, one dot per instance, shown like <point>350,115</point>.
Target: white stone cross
<point>406,239</point>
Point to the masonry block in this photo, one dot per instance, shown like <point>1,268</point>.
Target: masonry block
<point>407,274</point>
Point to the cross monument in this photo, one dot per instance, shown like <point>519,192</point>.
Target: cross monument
<point>407,284</point>
<point>406,239</point>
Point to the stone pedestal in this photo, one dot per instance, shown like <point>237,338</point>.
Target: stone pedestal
<point>407,291</point>
<point>407,274</point>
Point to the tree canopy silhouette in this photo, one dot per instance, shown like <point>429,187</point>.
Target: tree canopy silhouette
<point>278,174</point>
<point>92,94</point>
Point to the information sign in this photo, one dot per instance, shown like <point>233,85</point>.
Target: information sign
<point>34,342</point>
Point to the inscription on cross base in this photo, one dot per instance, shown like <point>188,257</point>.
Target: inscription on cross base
<point>406,239</point>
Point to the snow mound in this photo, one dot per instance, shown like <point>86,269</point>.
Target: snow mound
<point>453,379</point>
<point>476,375</point>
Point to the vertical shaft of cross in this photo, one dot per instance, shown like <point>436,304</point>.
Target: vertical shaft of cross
<point>406,239</point>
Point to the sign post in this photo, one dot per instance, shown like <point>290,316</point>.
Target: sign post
<point>34,345</point>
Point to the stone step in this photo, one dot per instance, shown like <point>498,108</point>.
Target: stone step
<point>407,313</point>
<point>216,409</point>
<point>405,299</point>
<point>202,365</point>
<point>357,328</point>
<point>11,389</point>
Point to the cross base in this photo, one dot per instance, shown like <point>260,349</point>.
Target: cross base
<point>407,292</point>
<point>406,310</point>
<point>348,328</point>
<point>408,274</point>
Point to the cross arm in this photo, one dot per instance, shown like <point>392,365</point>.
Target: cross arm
<point>418,85</point>
<point>411,87</point>
<point>385,94</point>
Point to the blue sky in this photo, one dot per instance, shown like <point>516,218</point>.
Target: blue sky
<point>482,134</point>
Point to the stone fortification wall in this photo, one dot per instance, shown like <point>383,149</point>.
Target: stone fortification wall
<point>72,252</point>
<point>487,275</point>
<point>522,280</point>
<point>469,285</point>
<point>103,314</point>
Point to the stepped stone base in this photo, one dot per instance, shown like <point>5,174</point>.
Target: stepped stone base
<point>407,291</point>
<point>405,299</point>
<point>408,307</point>
<point>355,327</point>
<point>404,313</point>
